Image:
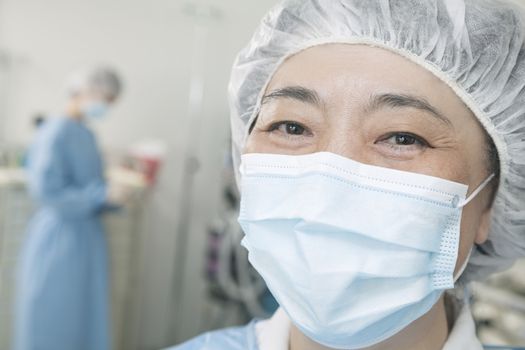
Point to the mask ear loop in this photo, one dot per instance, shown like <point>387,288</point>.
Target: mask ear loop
<point>476,192</point>
<point>463,292</point>
<point>463,267</point>
<point>466,289</point>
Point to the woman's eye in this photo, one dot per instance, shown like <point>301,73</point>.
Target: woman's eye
<point>288,128</point>
<point>294,129</point>
<point>404,140</point>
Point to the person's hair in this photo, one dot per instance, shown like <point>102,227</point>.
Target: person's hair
<point>493,167</point>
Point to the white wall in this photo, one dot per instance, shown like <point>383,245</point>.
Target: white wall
<point>151,43</point>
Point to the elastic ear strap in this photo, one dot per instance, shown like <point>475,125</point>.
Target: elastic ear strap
<point>463,267</point>
<point>476,191</point>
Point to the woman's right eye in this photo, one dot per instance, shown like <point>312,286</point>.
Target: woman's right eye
<point>288,128</point>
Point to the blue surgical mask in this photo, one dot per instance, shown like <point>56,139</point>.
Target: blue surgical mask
<point>353,253</point>
<point>96,109</point>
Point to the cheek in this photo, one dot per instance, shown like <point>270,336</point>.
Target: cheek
<point>255,144</point>
<point>470,221</point>
<point>447,164</point>
<point>249,146</point>
<point>258,142</point>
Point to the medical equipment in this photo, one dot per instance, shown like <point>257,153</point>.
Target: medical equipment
<point>499,307</point>
<point>232,281</point>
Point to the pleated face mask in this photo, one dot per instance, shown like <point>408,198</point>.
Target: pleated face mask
<point>353,253</point>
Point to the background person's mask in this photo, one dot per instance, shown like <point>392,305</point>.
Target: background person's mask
<point>353,253</point>
<point>95,109</point>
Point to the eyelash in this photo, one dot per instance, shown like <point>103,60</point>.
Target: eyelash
<point>418,141</point>
<point>275,127</point>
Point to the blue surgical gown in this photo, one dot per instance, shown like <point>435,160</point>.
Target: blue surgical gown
<point>245,338</point>
<point>236,338</point>
<point>62,298</point>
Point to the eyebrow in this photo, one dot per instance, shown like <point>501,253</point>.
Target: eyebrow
<point>298,93</point>
<point>392,100</point>
<point>403,100</point>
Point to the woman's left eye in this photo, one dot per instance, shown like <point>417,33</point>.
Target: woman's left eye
<point>401,140</point>
<point>289,128</point>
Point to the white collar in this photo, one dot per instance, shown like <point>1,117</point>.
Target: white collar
<point>463,334</point>
<point>274,333</point>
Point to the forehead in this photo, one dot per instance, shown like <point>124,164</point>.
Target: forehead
<point>346,73</point>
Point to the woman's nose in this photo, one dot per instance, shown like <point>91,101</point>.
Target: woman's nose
<point>344,141</point>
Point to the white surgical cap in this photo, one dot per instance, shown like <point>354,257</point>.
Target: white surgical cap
<point>474,46</point>
<point>101,80</point>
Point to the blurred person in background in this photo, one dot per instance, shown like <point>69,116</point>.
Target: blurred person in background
<point>63,290</point>
<point>378,184</point>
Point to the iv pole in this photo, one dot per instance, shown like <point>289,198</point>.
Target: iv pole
<point>202,14</point>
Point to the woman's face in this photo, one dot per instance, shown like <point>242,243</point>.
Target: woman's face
<point>378,108</point>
